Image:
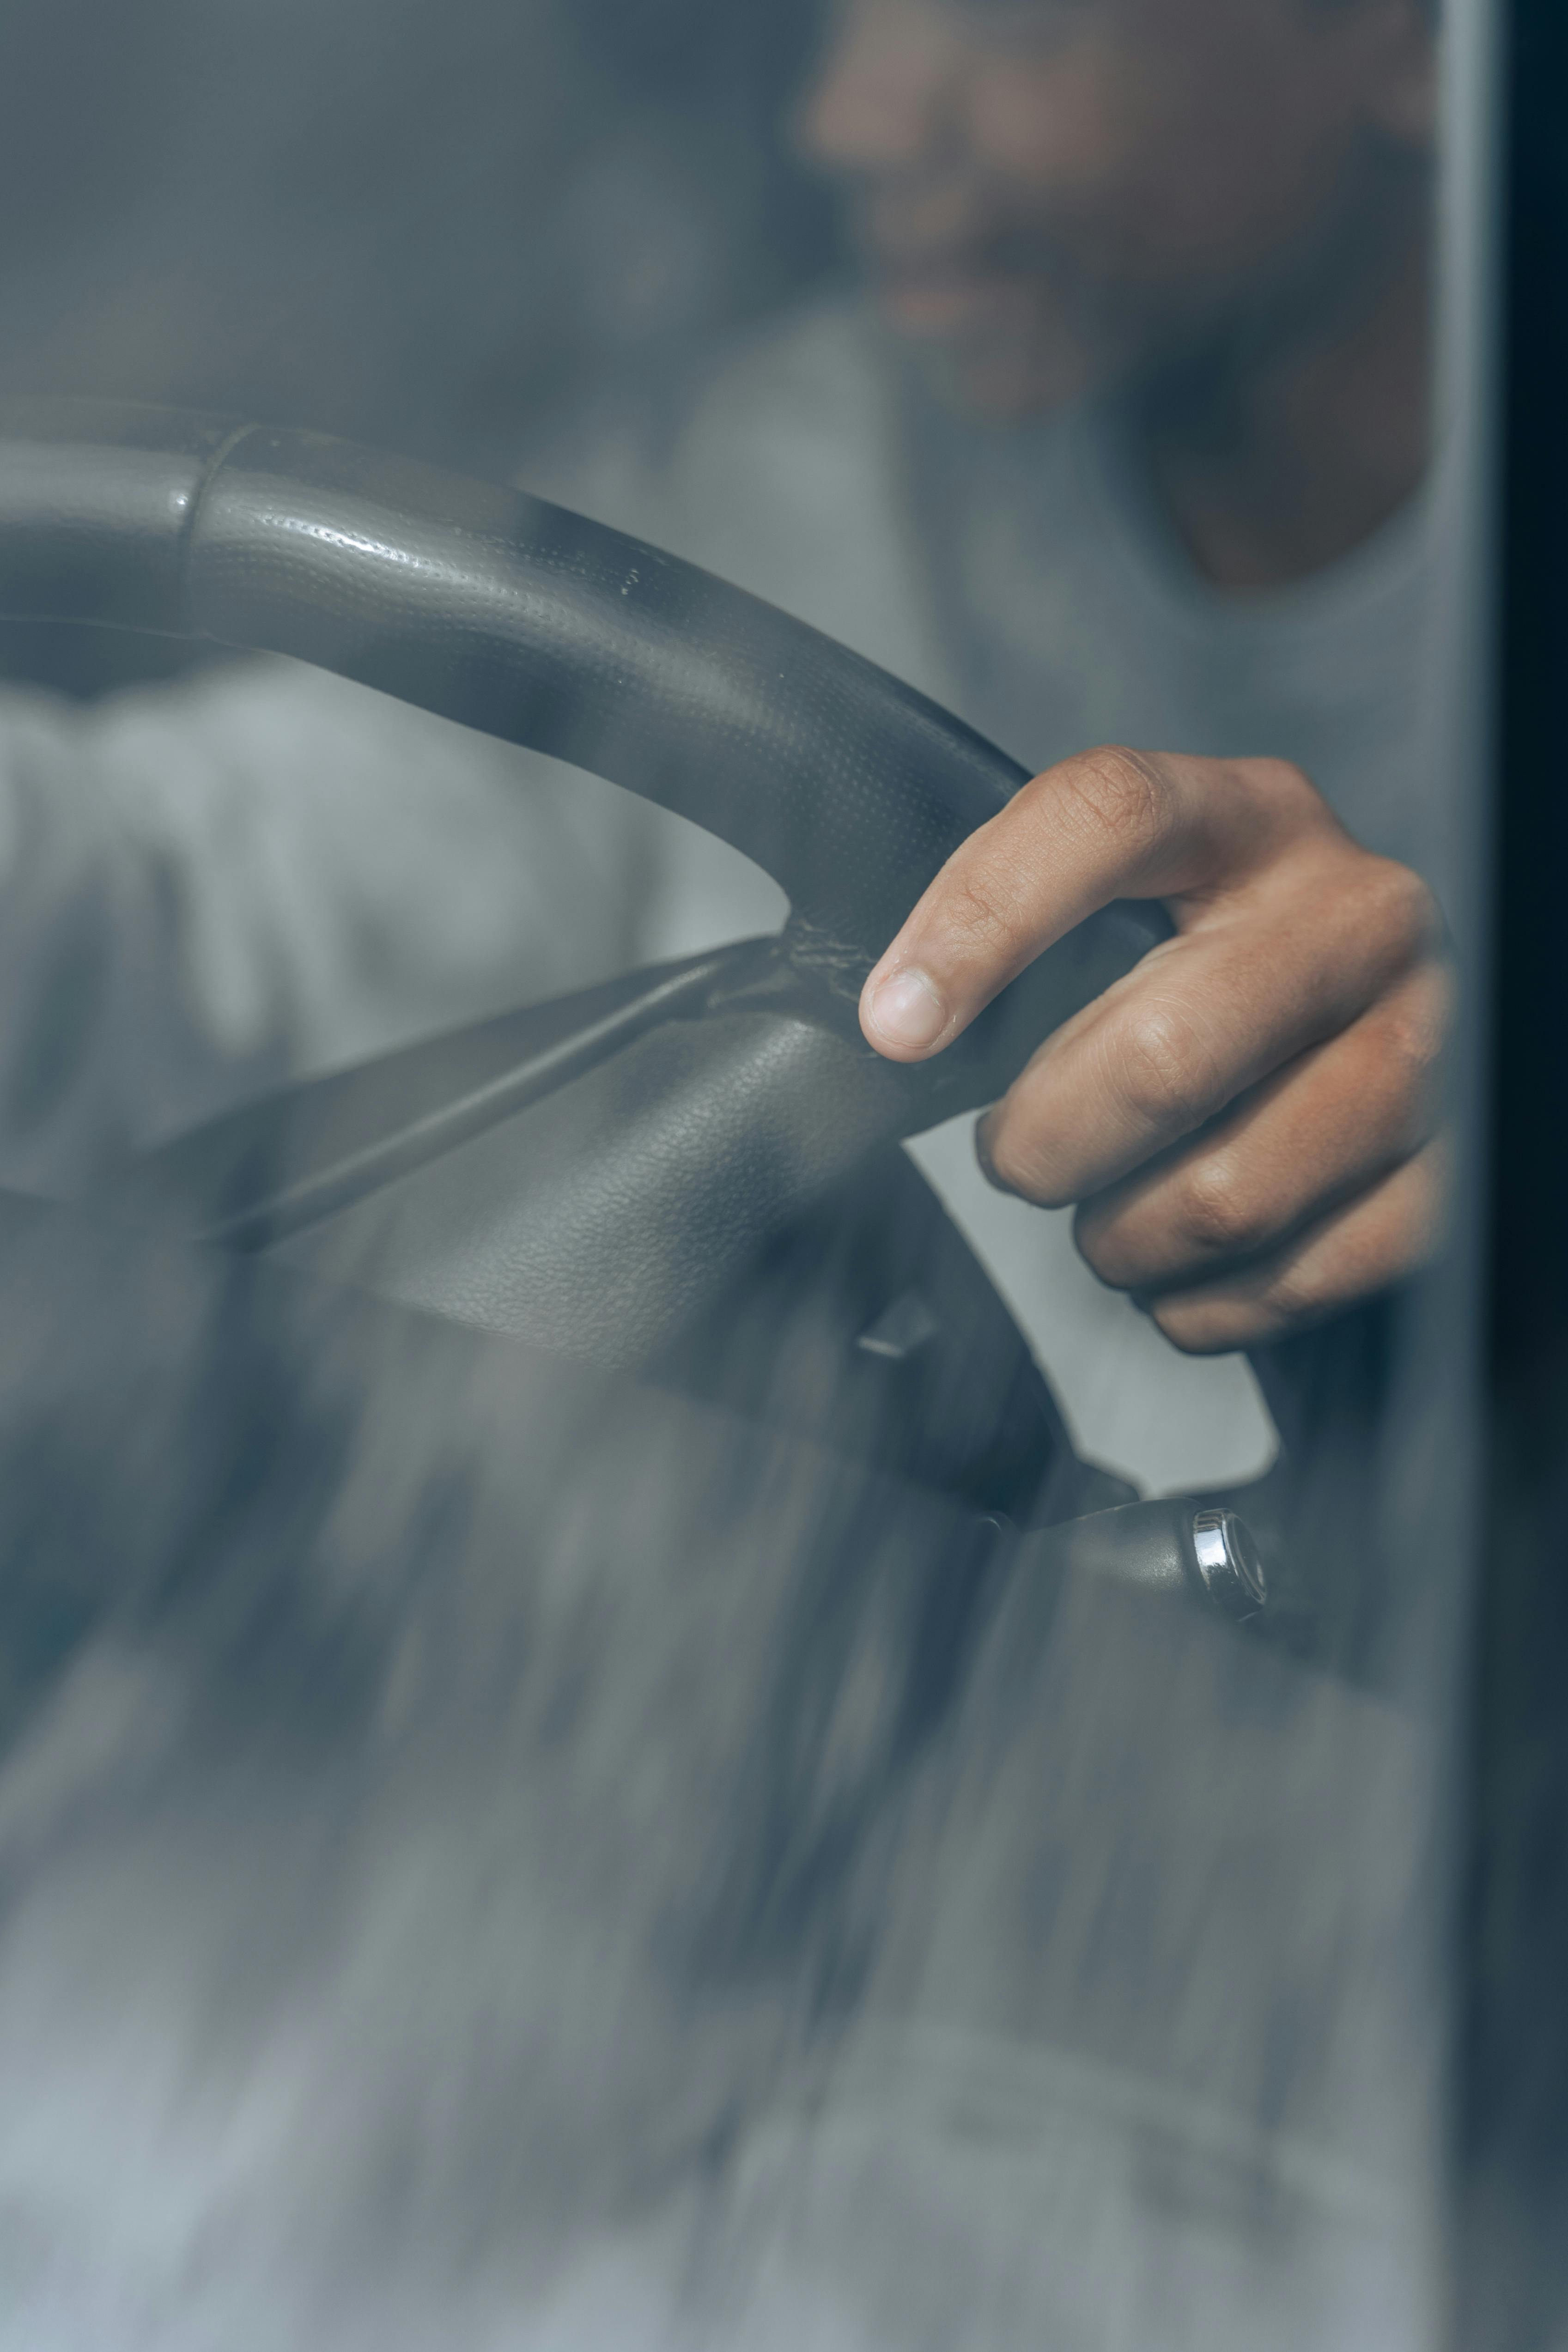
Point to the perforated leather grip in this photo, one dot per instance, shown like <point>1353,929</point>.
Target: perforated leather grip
<point>512,615</point>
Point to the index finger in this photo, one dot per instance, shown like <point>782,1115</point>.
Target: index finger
<point>1109,824</point>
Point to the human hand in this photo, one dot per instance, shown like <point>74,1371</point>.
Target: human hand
<point>1249,1121</point>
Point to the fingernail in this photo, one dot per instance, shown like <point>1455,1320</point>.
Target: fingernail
<point>906,1011</point>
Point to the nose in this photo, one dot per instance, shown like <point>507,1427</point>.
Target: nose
<point>879,96</point>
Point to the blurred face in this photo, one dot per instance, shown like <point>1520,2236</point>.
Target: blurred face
<point>1052,193</point>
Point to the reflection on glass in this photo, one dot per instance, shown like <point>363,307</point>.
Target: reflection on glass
<point>673,1722</point>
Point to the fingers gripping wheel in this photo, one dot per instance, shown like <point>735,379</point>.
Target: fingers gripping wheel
<point>693,1113</point>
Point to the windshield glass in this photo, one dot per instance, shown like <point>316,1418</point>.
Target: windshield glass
<point>752,1656</point>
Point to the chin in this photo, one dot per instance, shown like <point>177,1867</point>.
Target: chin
<point>1008,383</point>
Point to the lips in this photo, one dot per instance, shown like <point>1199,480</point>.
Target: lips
<point>964,274</point>
<point>947,300</point>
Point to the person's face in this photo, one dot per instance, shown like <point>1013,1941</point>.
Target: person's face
<point>1051,194</point>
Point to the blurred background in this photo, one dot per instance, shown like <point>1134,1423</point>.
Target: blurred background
<point>429,224</point>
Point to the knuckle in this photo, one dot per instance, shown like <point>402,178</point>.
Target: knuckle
<point>1414,1042</point>
<point>1292,1292</point>
<point>1221,1215</point>
<point>1239,1314</point>
<point>1119,794</point>
<point>1413,913</point>
<point>1282,781</point>
<point>1161,1071</point>
<point>1294,815</point>
<point>1394,907</point>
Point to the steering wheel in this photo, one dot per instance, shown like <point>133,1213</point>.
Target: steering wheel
<point>597,1174</point>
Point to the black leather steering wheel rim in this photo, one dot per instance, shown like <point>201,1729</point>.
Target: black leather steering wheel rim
<point>539,626</point>
<point>531,624</point>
